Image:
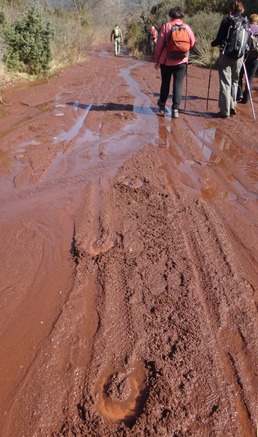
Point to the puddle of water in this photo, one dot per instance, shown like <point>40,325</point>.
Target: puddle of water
<point>75,129</point>
<point>92,152</point>
<point>212,142</point>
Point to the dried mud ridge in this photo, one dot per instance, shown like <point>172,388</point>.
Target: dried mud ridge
<point>157,333</point>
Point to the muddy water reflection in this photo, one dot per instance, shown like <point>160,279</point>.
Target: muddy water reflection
<point>222,150</point>
<point>236,162</point>
<point>90,154</point>
<point>209,137</point>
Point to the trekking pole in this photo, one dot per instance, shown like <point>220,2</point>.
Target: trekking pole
<point>186,85</point>
<point>209,84</point>
<point>249,90</point>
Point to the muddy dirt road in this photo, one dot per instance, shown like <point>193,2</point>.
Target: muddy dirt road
<point>129,258</point>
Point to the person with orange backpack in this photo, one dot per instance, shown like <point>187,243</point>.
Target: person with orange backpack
<point>171,55</point>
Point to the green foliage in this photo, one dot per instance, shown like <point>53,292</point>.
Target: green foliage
<point>2,19</point>
<point>28,43</point>
<point>159,13</point>
<point>205,27</point>
<point>196,6</point>
<point>136,38</point>
<point>13,3</point>
<point>251,7</point>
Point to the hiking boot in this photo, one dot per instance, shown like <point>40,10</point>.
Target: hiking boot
<point>222,115</point>
<point>233,111</point>
<point>161,105</point>
<point>175,113</point>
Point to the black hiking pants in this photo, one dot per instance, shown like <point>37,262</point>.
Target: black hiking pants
<point>251,68</point>
<point>178,72</point>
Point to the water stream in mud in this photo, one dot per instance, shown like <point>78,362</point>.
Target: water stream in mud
<point>89,155</point>
<point>93,154</point>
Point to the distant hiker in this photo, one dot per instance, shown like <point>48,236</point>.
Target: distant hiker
<point>172,57</point>
<point>153,36</point>
<point>230,61</point>
<point>251,63</point>
<point>117,37</point>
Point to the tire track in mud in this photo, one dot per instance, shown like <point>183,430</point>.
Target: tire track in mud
<point>235,363</point>
<point>153,339</point>
<point>225,285</point>
<point>174,298</point>
<point>115,376</point>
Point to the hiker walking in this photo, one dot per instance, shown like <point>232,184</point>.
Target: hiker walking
<point>172,58</point>
<point>230,61</point>
<point>153,36</point>
<point>116,36</point>
<point>251,63</point>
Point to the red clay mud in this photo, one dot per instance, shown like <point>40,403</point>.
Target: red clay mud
<point>129,257</point>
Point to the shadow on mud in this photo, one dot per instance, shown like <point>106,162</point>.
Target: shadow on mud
<point>111,106</point>
<point>189,98</point>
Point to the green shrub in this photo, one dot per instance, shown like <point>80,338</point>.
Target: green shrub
<point>196,6</point>
<point>28,44</point>
<point>205,27</point>
<point>136,39</point>
<point>159,13</point>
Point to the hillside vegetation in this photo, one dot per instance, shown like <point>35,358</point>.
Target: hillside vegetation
<point>38,40</point>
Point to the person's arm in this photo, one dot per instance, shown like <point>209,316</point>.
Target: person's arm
<point>191,36</point>
<point>111,36</point>
<point>160,45</point>
<point>221,35</point>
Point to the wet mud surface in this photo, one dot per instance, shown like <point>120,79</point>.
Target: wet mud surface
<point>129,258</point>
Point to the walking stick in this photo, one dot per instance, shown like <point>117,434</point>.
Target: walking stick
<point>209,84</point>
<point>186,85</point>
<point>249,90</point>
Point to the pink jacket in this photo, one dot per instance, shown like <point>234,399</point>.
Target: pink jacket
<point>161,49</point>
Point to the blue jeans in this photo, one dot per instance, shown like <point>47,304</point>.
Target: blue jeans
<point>178,72</point>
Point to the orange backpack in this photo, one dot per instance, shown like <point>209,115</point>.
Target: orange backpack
<point>178,41</point>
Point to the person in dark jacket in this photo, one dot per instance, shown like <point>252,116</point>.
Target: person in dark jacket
<point>251,65</point>
<point>229,68</point>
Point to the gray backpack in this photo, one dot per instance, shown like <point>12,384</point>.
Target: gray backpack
<point>238,37</point>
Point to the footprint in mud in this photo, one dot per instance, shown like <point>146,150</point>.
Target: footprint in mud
<point>100,246</point>
<point>134,182</point>
<point>26,233</point>
<point>121,395</point>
